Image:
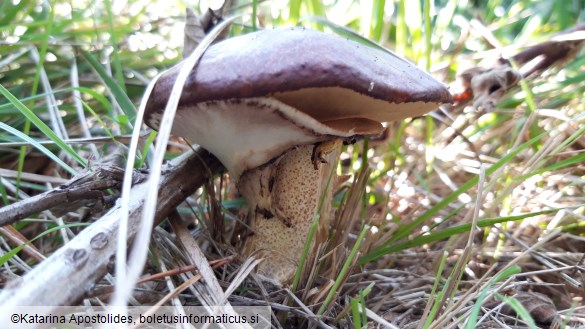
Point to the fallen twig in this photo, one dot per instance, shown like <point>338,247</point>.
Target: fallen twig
<point>88,188</point>
<point>71,271</point>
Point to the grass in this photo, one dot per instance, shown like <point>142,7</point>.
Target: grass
<point>418,238</point>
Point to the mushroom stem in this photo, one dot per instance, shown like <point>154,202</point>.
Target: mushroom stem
<point>283,197</point>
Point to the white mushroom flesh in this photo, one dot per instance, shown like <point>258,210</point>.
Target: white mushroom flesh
<point>247,133</point>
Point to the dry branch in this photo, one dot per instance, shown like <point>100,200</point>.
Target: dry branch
<point>485,86</point>
<point>68,274</point>
<point>82,190</point>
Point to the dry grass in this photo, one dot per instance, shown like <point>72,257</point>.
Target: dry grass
<point>450,221</point>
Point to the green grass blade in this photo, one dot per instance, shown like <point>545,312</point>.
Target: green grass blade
<point>472,320</point>
<point>254,15</point>
<point>433,297</point>
<point>42,126</point>
<point>9,10</point>
<point>377,20</point>
<point>574,160</point>
<point>519,309</point>
<point>6,257</point>
<point>446,233</point>
<point>401,29</point>
<point>344,270</point>
<point>3,193</point>
<point>39,146</point>
<point>9,108</point>
<point>117,91</point>
<point>294,11</point>
<point>356,313</point>
<point>427,27</point>
<point>118,72</point>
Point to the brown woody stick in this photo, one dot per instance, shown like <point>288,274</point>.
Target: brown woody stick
<point>68,274</point>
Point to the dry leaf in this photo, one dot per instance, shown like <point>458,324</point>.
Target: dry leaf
<point>540,307</point>
<point>197,26</point>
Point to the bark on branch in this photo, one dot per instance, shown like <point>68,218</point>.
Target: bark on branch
<point>85,189</point>
<point>70,272</point>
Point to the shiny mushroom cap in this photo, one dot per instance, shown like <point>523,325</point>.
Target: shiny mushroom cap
<point>253,97</point>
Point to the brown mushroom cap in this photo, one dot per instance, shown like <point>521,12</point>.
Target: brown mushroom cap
<point>321,85</point>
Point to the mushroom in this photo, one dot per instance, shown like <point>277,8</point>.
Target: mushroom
<point>274,106</point>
